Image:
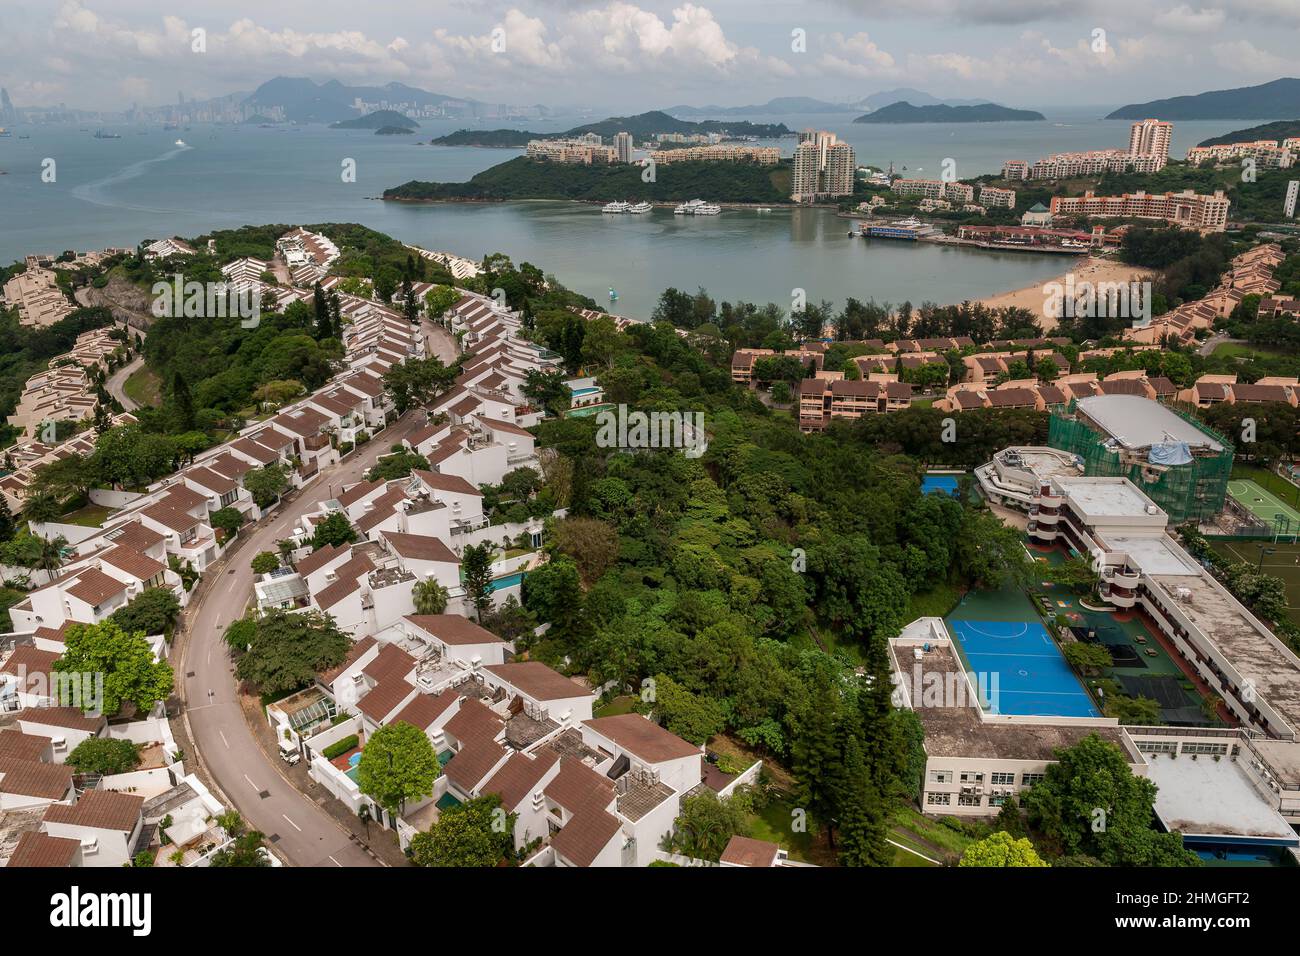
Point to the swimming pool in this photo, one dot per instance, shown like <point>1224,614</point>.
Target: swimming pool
<point>930,484</point>
<point>508,581</point>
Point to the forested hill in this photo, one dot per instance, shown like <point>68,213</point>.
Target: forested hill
<point>643,126</point>
<point>522,178</point>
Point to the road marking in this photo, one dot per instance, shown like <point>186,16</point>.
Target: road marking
<point>222,734</point>
<point>292,824</point>
<point>335,862</point>
<point>251,784</point>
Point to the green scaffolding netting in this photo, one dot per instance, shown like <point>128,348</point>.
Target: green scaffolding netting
<point>1191,492</point>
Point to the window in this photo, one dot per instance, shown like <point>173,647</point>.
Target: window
<point>969,800</point>
<point>1195,748</point>
<point>1003,779</point>
<point>1029,779</point>
<point>938,799</point>
<point>941,776</point>
<point>997,799</point>
<point>969,776</point>
<point>1158,746</point>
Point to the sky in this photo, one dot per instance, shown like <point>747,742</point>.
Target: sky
<point>626,56</point>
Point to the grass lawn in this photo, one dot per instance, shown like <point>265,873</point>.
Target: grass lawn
<point>911,828</point>
<point>89,516</point>
<point>143,387</point>
<point>938,601</point>
<point>1283,563</point>
<point>1243,350</point>
<point>8,598</point>
<point>774,823</point>
<point>619,705</point>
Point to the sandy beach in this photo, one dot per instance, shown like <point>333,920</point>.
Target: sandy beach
<point>1090,269</point>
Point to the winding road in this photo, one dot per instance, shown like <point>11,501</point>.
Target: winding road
<point>249,779</point>
<point>116,384</point>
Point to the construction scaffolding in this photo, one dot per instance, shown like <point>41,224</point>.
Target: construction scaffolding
<point>1191,492</point>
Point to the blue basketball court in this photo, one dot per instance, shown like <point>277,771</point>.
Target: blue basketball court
<point>1032,679</point>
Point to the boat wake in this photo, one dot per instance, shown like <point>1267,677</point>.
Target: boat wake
<point>97,192</point>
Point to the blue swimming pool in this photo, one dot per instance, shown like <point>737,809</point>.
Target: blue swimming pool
<point>507,581</point>
<point>931,484</point>
<point>1022,667</point>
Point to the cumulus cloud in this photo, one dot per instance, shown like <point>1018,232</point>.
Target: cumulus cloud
<point>857,56</point>
<point>1184,18</point>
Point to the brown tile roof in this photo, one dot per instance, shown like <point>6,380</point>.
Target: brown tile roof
<point>356,492</point>
<point>16,744</point>
<point>258,452</point>
<point>449,483</point>
<point>643,738</point>
<point>497,424</point>
<point>94,587</point>
<point>136,536</point>
<point>169,517</point>
<point>475,721</point>
<point>133,562</point>
<point>31,778</point>
<point>585,835</point>
<point>33,663</point>
<point>319,558</point>
<point>473,761</point>
<point>519,776</point>
<point>577,786</point>
<point>746,851</point>
<point>306,422</point>
<point>420,547</point>
<point>385,697</point>
<point>1260,393</point>
<point>184,498</point>
<point>424,709</point>
<point>391,661</point>
<point>453,629</point>
<point>354,655</point>
<point>40,849</point>
<point>101,810</point>
<point>69,718</point>
<point>348,581</point>
<point>211,480</point>
<point>538,681</point>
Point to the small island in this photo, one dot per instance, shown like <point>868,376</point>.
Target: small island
<point>643,126</point>
<point>901,112</point>
<point>378,120</point>
<point>393,131</point>
<point>522,178</point>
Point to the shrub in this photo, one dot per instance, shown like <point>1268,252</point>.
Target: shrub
<point>340,748</point>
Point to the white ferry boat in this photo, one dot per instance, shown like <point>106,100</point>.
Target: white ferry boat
<point>615,207</point>
<point>697,207</point>
<point>640,207</point>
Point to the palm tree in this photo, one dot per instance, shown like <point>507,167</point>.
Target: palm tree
<point>430,597</point>
<point>50,558</point>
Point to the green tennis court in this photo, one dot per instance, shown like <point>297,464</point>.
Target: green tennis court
<point>1264,505</point>
<point>1278,558</point>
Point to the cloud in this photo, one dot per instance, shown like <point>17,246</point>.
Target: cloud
<point>857,56</point>
<point>1243,56</point>
<point>1183,18</point>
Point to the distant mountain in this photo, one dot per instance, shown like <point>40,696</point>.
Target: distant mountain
<point>984,113</point>
<point>906,94</point>
<point>1279,99</point>
<point>1283,129</point>
<point>781,106</point>
<point>379,119</point>
<point>306,101</point>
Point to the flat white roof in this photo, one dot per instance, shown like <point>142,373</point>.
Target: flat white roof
<point>1137,422</point>
<point>1208,797</point>
<point>1155,554</point>
<point>1106,497</point>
